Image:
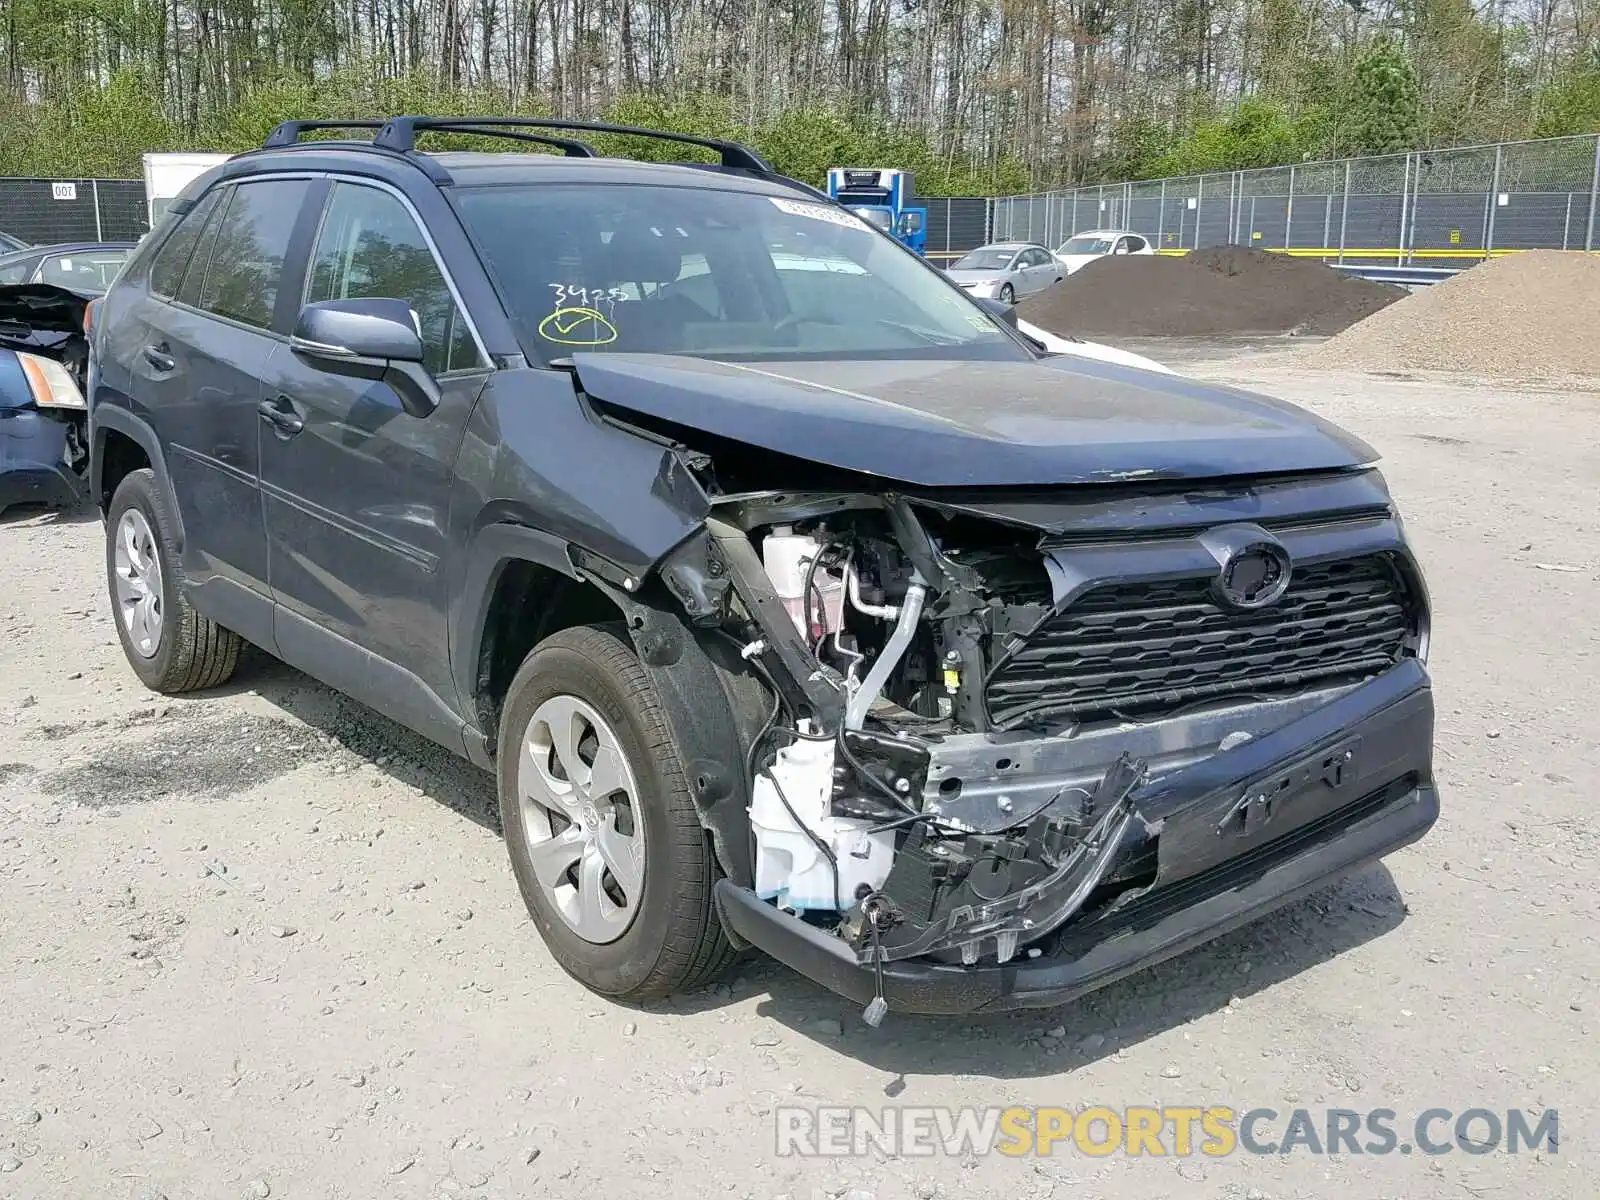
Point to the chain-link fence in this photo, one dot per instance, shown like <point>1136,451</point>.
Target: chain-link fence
<point>1459,204</point>
<point>44,211</point>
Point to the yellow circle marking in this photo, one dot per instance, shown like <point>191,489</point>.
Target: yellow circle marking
<point>577,326</point>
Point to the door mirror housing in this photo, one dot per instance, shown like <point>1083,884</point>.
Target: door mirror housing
<point>369,338</point>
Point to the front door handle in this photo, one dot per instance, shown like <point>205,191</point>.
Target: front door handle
<point>281,413</point>
<point>158,357</point>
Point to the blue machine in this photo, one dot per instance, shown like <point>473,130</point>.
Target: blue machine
<point>879,197</point>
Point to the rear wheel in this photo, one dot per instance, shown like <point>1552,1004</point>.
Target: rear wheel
<point>611,859</point>
<point>170,646</point>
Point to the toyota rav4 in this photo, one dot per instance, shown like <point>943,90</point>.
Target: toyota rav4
<point>795,597</point>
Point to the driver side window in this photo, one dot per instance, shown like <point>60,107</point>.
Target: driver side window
<point>369,247</point>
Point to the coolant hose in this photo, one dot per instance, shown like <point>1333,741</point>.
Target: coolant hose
<point>855,713</point>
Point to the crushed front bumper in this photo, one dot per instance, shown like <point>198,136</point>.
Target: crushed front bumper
<point>1352,781</point>
<point>34,462</point>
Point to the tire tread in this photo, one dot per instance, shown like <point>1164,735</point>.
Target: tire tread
<point>696,950</point>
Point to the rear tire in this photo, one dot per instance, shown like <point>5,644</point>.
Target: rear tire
<point>633,936</point>
<point>170,646</point>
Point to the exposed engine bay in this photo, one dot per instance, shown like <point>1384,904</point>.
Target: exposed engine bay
<point>967,702</point>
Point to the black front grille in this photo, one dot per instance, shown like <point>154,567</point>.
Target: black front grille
<point>1142,649</point>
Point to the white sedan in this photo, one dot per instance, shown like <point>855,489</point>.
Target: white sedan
<point>1085,247</point>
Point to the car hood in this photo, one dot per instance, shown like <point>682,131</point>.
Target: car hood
<point>966,278</point>
<point>940,423</point>
<point>1073,262</point>
<point>1095,350</point>
<point>27,309</point>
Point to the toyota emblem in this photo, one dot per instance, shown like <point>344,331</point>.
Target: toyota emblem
<point>1255,576</point>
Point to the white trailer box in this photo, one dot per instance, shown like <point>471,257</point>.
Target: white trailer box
<point>166,175</point>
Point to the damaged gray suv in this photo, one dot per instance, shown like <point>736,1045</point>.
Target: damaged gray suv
<point>795,598</point>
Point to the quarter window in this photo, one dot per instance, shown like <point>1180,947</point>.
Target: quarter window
<point>166,273</point>
<point>195,276</point>
<point>246,266</point>
<point>368,248</point>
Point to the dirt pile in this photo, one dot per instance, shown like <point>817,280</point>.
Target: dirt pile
<point>1528,316</point>
<point>1226,290</point>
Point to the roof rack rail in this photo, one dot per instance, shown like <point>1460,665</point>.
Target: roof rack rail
<point>571,146</point>
<point>287,133</point>
<point>775,176</point>
<point>400,133</point>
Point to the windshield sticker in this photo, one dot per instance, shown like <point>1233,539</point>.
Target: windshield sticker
<point>587,297</point>
<point>576,326</point>
<point>819,212</point>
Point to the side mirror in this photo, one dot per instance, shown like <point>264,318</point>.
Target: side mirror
<point>368,339</point>
<point>909,223</point>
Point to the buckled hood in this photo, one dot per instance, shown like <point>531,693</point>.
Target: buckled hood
<point>30,309</point>
<point>933,423</point>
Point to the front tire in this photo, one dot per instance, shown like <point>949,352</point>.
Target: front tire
<point>1008,294</point>
<point>170,646</point>
<point>612,862</point>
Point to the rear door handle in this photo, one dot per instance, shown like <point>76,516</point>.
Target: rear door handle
<point>281,413</point>
<point>158,357</point>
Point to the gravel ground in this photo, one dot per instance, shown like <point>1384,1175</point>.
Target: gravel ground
<point>263,943</point>
<point>1529,317</point>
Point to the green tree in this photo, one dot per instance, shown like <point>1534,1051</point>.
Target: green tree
<point>1386,104</point>
<point>1570,105</point>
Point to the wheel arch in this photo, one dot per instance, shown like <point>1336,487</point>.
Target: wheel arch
<point>520,586</point>
<point>119,444</point>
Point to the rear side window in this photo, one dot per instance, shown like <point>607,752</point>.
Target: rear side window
<point>18,272</point>
<point>166,273</point>
<point>83,270</point>
<point>369,247</point>
<point>252,243</point>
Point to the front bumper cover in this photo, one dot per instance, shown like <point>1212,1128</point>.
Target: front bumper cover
<point>1217,870</point>
<point>34,461</point>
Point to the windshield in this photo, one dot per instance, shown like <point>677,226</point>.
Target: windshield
<point>83,271</point>
<point>987,259</point>
<point>680,270</point>
<point>1087,243</point>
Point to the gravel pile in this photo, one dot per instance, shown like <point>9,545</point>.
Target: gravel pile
<point>1528,316</point>
<point>1223,291</point>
